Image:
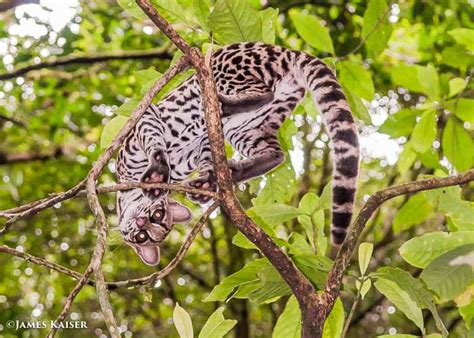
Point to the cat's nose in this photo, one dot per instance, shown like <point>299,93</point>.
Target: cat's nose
<point>141,221</point>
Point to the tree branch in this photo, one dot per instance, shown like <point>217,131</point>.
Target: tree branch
<point>160,53</point>
<point>334,279</point>
<point>14,158</point>
<point>6,5</point>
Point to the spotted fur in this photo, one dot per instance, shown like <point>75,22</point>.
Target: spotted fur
<point>259,86</point>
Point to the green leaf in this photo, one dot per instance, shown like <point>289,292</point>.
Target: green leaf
<point>456,86</point>
<point>364,287</point>
<point>457,145</point>
<point>415,211</point>
<point>376,29</point>
<point>288,324</point>
<point>182,322</point>
<point>128,107</point>
<point>399,124</point>
<point>365,252</point>
<point>467,314</point>
<point>147,78</point>
<point>356,79</point>
<point>276,214</point>
<point>420,251</point>
<point>464,36</point>
<point>310,203</point>
<point>314,267</point>
<point>451,273</point>
<point>235,20</point>
<point>243,242</point>
<point>216,325</point>
<point>448,200</point>
<point>131,7</point>
<point>357,106</point>
<point>401,299</point>
<point>335,322</point>
<point>201,10</point>
<point>428,78</point>
<point>269,19</point>
<point>312,31</point>
<point>462,108</point>
<point>457,57</point>
<point>111,130</point>
<point>246,275</point>
<point>407,157</point>
<point>407,77</point>
<point>279,186</point>
<point>424,132</point>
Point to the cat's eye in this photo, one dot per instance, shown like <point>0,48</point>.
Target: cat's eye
<point>141,236</point>
<point>157,216</point>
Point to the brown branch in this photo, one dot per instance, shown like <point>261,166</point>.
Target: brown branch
<point>334,279</point>
<point>160,53</point>
<point>39,205</point>
<point>6,5</point>
<point>14,158</point>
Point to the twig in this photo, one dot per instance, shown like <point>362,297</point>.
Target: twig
<point>334,279</point>
<point>108,189</point>
<point>14,121</point>
<point>6,5</point>
<point>29,156</point>
<point>161,53</point>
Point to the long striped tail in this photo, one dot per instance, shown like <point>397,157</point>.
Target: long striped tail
<point>345,151</point>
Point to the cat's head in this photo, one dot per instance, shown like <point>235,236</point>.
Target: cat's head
<point>144,225</point>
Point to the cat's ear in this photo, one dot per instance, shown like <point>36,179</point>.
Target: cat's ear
<point>150,255</point>
<point>179,212</point>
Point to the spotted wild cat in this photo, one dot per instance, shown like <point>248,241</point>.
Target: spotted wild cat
<point>259,85</point>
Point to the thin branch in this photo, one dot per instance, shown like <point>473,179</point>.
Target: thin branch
<point>13,120</point>
<point>160,53</point>
<point>15,158</point>
<point>334,279</point>
<point>19,212</point>
<point>6,5</point>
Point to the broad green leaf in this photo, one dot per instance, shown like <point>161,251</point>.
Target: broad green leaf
<point>131,7</point>
<point>356,79</point>
<point>376,29</point>
<point>448,200</point>
<point>288,324</point>
<point>457,57</point>
<point>182,322</point>
<point>407,157</point>
<point>365,253</point>
<point>399,124</point>
<point>111,130</point>
<point>299,245</point>
<point>146,78</point>
<point>310,203</point>
<point>357,106</point>
<point>269,19</point>
<point>128,107</point>
<point>401,299</point>
<point>463,36</point>
<point>175,12</point>
<point>314,267</point>
<point>216,325</point>
<point>407,77</point>
<point>424,132</point>
<point>428,78</point>
<point>451,273</point>
<point>246,275</point>
<point>241,241</point>
<point>467,314</point>
<point>457,145</point>
<point>312,31</point>
<point>276,214</point>
<point>415,211</point>
<point>462,108</point>
<point>201,10</point>
<point>335,322</point>
<point>420,251</point>
<point>235,20</point>
<point>456,86</point>
<point>279,186</point>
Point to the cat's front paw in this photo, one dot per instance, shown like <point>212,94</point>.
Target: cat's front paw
<point>157,172</point>
<point>206,181</point>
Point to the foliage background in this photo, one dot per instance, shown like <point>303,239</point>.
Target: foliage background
<point>405,67</point>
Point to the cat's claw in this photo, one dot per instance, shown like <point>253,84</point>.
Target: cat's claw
<point>206,181</point>
<point>157,172</point>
